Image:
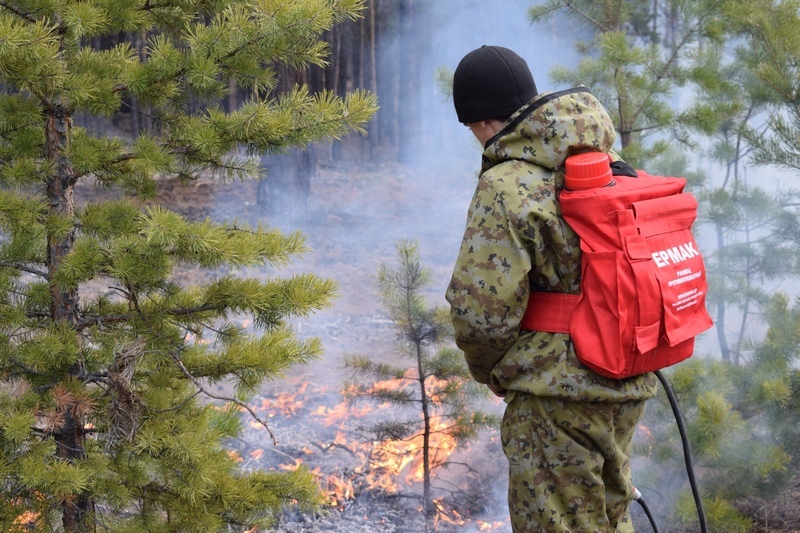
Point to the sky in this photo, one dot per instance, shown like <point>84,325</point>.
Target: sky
<point>458,28</point>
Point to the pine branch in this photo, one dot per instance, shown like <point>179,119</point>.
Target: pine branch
<point>22,14</point>
<point>86,322</point>
<point>178,407</point>
<point>181,150</point>
<point>24,268</point>
<point>30,314</point>
<point>228,399</point>
<point>643,129</point>
<point>121,159</point>
<point>279,52</point>
<point>7,133</point>
<point>586,16</point>
<point>192,310</point>
<point>24,370</point>
<point>126,404</point>
<point>151,7</point>
<point>215,166</point>
<point>658,76</point>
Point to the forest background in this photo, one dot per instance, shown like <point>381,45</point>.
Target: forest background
<point>702,89</point>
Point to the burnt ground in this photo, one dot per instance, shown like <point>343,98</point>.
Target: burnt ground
<point>354,220</point>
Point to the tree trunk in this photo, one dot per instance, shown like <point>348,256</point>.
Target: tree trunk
<point>426,439</point>
<point>372,71</point>
<point>60,195</point>
<point>388,76</point>
<point>77,510</point>
<point>721,305</point>
<point>409,119</point>
<point>671,24</point>
<point>283,192</point>
<point>336,74</point>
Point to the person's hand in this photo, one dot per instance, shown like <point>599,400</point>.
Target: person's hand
<point>497,390</point>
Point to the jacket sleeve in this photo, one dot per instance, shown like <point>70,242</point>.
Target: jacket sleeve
<point>489,288</point>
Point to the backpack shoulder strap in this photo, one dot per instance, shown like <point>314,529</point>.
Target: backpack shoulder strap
<point>549,311</point>
<point>621,168</point>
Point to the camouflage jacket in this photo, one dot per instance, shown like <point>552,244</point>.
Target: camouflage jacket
<point>516,240</point>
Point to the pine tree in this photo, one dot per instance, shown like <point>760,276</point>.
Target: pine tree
<point>436,390</point>
<point>748,222</point>
<point>769,53</point>
<point>743,424</point>
<point>634,61</point>
<point>102,418</point>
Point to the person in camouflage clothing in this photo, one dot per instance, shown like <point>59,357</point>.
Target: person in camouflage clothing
<point>567,432</point>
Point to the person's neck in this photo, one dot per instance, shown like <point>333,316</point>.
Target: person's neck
<point>486,129</point>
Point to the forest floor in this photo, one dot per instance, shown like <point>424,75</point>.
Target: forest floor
<point>355,218</point>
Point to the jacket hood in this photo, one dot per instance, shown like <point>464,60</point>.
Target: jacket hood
<point>551,127</point>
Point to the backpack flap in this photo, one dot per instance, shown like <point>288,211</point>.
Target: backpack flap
<point>665,224</point>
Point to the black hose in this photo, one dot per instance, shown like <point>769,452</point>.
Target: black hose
<point>638,497</point>
<point>701,514</point>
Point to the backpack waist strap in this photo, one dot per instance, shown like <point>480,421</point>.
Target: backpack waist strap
<point>549,311</point>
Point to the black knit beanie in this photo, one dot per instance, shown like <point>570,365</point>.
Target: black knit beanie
<point>491,82</point>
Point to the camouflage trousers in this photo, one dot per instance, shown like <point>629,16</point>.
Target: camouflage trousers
<point>569,465</point>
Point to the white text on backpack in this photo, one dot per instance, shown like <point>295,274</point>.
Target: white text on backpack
<point>676,254</point>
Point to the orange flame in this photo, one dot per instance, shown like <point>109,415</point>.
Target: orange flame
<point>442,515</point>
<point>292,467</point>
<point>235,456</point>
<point>649,439</point>
<point>285,402</point>
<point>384,464</point>
<point>487,526</point>
<point>339,490</point>
<point>256,454</point>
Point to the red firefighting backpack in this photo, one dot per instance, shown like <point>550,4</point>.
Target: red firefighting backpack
<point>643,281</point>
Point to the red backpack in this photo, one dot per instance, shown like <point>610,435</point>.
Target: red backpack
<point>643,281</point>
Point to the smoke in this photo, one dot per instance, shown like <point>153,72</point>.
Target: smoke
<point>455,32</point>
<point>357,214</point>
<point>446,156</point>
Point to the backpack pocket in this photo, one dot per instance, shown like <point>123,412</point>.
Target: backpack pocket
<point>600,326</point>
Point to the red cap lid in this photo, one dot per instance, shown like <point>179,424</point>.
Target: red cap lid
<point>588,170</point>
